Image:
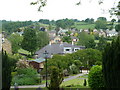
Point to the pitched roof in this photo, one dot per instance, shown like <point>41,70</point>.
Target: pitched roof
<point>55,49</point>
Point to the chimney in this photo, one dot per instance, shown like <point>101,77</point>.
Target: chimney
<point>61,43</point>
<point>72,43</point>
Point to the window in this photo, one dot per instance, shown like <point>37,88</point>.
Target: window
<point>67,49</point>
<point>76,49</point>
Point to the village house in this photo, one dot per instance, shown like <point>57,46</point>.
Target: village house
<point>102,33</point>
<point>95,31</point>
<point>52,33</point>
<point>56,39</point>
<point>37,63</point>
<point>62,31</point>
<point>74,39</point>
<point>59,48</point>
<point>86,30</point>
<point>110,33</point>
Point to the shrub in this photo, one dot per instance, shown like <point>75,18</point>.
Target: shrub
<point>85,83</point>
<point>26,76</point>
<point>95,77</point>
<point>74,69</point>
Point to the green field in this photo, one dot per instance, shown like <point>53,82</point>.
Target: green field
<point>23,51</point>
<point>83,25</point>
<point>97,41</point>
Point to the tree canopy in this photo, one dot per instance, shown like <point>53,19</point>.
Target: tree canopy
<point>111,63</point>
<point>84,38</point>
<point>29,42</point>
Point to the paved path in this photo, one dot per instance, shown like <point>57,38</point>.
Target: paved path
<point>73,77</point>
<point>43,85</point>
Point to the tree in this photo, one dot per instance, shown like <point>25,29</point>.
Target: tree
<point>113,20</point>
<point>66,39</point>
<point>88,57</point>
<point>16,41</point>
<point>100,24</point>
<point>29,42</point>
<point>44,21</point>
<point>111,64</point>
<point>42,39</point>
<point>64,23</point>
<point>7,67</point>
<point>95,78</point>
<point>102,19</point>
<point>117,27</point>
<point>56,78</point>
<point>84,38</point>
<point>88,20</point>
<point>102,43</point>
<point>91,44</point>
<point>26,76</point>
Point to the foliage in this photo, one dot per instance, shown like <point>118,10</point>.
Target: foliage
<point>111,63</point>
<point>87,55</point>
<point>100,24</point>
<point>56,78</point>
<point>117,27</point>
<point>16,40</point>
<point>44,21</point>
<point>84,38</point>
<point>22,64</point>
<point>74,69</point>
<point>88,20</point>
<point>102,19</point>
<point>64,23</point>
<point>102,43</point>
<point>98,63</point>
<point>42,39</point>
<point>95,78</point>
<point>29,42</point>
<point>85,83</point>
<point>9,26</point>
<point>26,76</point>
<point>66,39</point>
<point>8,64</point>
<point>91,44</point>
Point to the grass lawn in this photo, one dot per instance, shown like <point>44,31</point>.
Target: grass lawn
<point>75,83</point>
<point>97,41</point>
<point>23,51</point>
<point>83,25</point>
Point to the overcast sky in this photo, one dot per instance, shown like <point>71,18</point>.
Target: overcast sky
<point>56,9</point>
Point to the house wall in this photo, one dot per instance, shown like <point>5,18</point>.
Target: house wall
<point>35,65</point>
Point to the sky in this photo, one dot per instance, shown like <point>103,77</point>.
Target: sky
<point>21,10</point>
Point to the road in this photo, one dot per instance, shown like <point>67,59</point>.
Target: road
<point>43,85</point>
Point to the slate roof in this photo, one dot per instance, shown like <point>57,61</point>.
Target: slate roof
<point>55,49</point>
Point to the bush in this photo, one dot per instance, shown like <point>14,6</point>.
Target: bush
<point>95,78</point>
<point>26,81</point>
<point>74,69</point>
<point>26,76</point>
<point>85,83</point>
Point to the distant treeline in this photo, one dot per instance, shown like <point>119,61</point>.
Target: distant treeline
<point>10,26</point>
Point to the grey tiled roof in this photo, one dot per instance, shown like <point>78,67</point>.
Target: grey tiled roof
<point>55,49</point>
